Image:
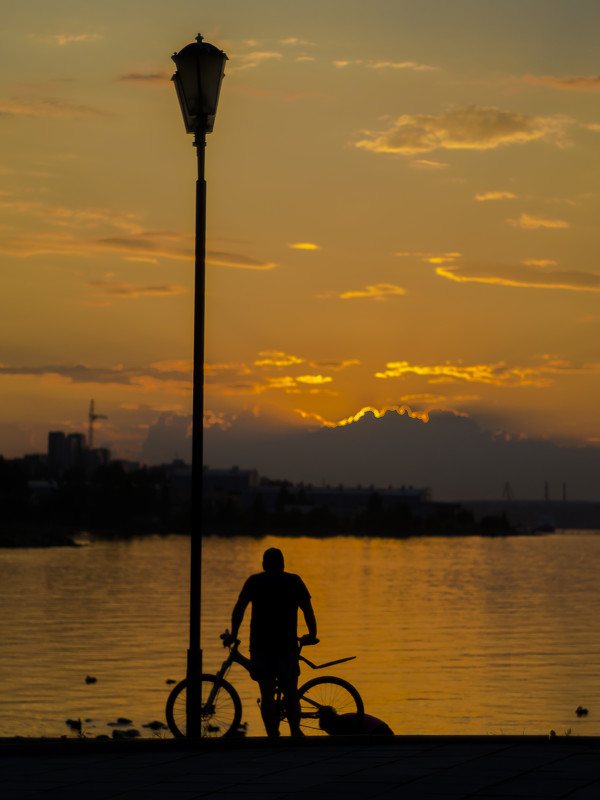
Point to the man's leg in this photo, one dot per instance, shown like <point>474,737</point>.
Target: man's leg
<point>289,690</point>
<point>268,707</point>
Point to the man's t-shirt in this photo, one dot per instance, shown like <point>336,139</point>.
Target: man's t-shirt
<point>275,598</point>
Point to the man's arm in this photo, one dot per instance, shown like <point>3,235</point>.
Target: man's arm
<point>309,617</point>
<point>237,615</point>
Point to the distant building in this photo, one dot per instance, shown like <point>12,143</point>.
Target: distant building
<point>76,447</point>
<point>235,482</point>
<point>40,489</point>
<point>243,487</point>
<point>179,477</point>
<point>98,457</point>
<point>128,466</point>
<point>344,501</point>
<point>66,451</point>
<point>58,458</point>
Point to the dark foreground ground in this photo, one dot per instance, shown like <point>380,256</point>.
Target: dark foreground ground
<point>312,769</point>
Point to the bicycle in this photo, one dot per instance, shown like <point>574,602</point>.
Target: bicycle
<point>222,707</point>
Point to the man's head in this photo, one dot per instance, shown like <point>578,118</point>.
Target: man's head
<point>273,560</point>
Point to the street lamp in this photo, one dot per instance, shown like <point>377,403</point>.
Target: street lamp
<point>200,70</point>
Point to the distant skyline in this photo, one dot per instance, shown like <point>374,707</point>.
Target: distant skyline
<point>403,209</point>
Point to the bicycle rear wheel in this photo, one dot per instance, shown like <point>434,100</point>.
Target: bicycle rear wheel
<point>221,718</point>
<point>327,692</point>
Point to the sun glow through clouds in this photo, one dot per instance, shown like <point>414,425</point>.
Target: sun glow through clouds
<point>401,216</point>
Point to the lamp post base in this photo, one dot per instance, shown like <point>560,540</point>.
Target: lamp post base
<point>194,694</point>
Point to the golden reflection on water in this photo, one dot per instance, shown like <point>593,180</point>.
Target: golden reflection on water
<point>466,635</point>
<point>452,635</point>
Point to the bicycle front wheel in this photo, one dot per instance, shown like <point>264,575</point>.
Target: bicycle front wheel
<point>326,692</point>
<point>220,716</point>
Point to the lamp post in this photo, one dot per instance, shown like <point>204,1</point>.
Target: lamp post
<point>200,70</point>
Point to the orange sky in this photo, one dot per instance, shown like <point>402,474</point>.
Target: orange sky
<point>402,212</point>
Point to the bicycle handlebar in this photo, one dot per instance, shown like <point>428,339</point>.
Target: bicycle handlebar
<point>237,642</point>
<point>234,644</point>
<point>301,643</point>
<point>245,662</point>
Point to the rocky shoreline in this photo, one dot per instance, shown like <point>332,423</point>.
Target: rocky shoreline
<point>35,537</point>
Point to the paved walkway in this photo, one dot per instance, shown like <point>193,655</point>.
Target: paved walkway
<point>402,767</point>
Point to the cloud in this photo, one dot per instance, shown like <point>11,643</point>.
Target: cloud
<point>425,162</point>
<point>62,39</point>
<point>169,437</point>
<point>525,276</point>
<point>590,83</point>
<point>539,262</point>
<point>125,290</point>
<point>218,418</point>
<point>450,258</point>
<point>147,243</point>
<point>483,196</point>
<point>314,379</point>
<point>47,108</point>
<point>77,218</point>
<point>145,378</point>
<point>173,366</point>
<point>222,378</point>
<point>304,246</point>
<point>432,258</point>
<point>370,410</point>
<point>529,222</point>
<point>236,260</point>
<point>293,41</point>
<point>167,245</point>
<point>216,370</point>
<point>286,382</point>
<point>335,365</point>
<point>276,358</point>
<point>378,291</point>
<point>287,95</point>
<point>251,60</point>
<point>469,128</point>
<point>411,65</point>
<point>135,244</point>
<point>289,384</point>
<point>42,244</point>
<point>275,370</point>
<point>495,374</point>
<point>157,78</point>
<point>428,398</point>
<point>451,454</point>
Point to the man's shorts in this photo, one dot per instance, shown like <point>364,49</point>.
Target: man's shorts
<point>271,666</point>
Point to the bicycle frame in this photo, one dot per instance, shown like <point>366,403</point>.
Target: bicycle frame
<point>328,664</point>
<point>312,694</point>
<point>235,657</point>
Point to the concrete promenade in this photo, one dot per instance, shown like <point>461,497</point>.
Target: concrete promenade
<point>317,768</point>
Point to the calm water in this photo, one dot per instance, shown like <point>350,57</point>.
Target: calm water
<point>473,635</point>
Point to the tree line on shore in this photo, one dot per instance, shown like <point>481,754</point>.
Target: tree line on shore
<point>120,502</point>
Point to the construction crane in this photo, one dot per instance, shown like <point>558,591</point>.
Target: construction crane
<point>507,492</point>
<point>92,418</point>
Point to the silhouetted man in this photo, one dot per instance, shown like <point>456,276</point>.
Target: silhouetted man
<point>276,596</point>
